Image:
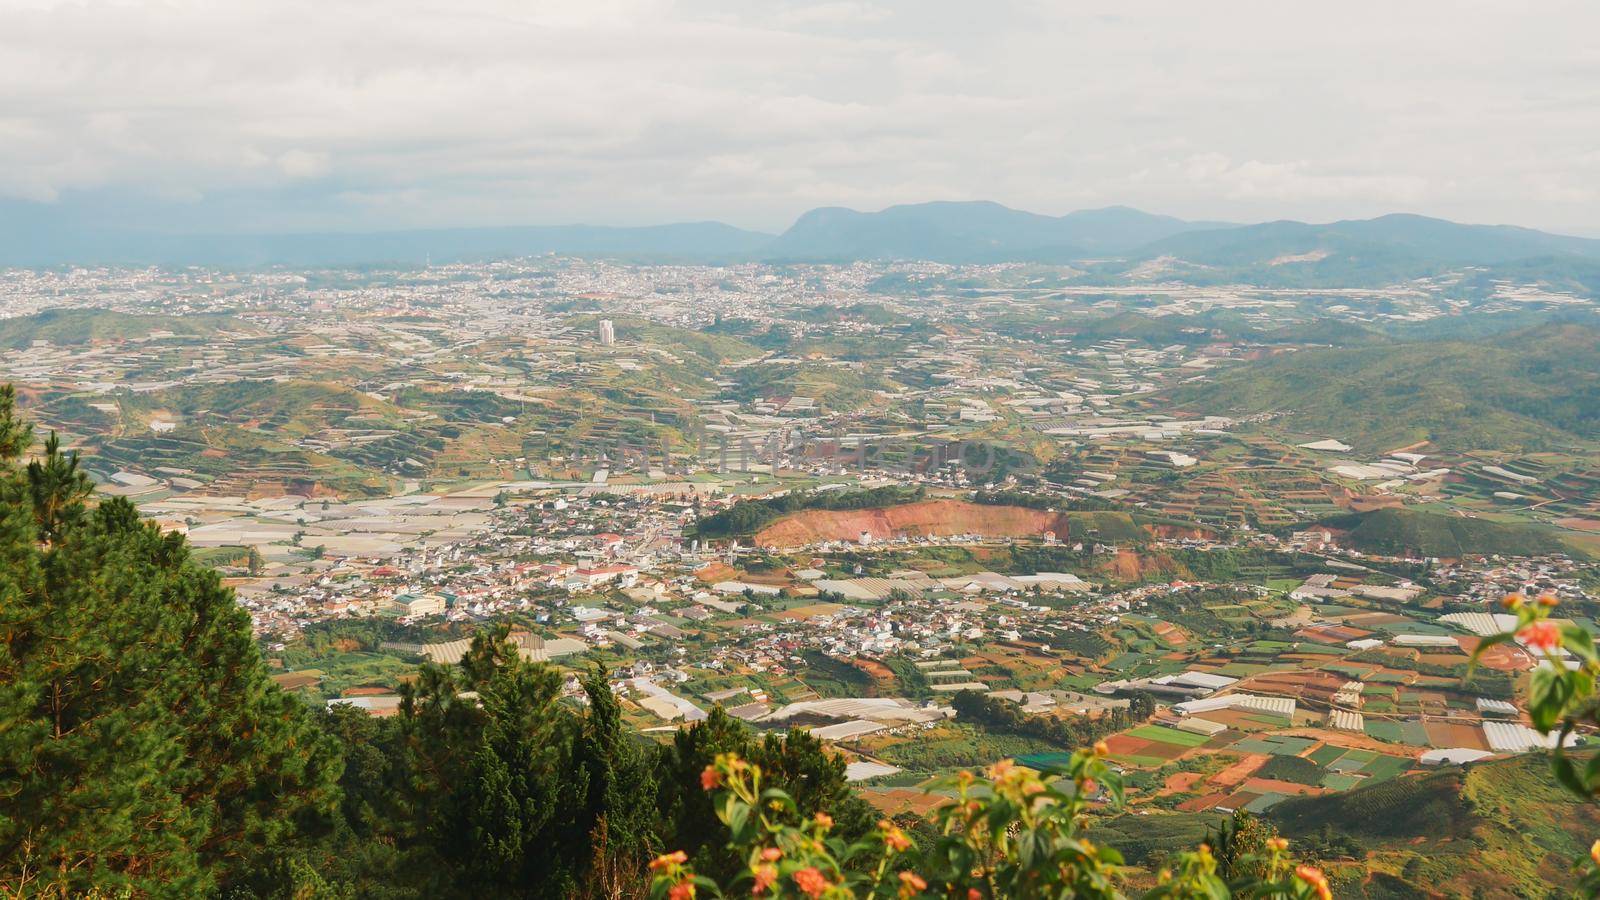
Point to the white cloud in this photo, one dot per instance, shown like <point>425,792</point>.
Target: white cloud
<point>367,113</point>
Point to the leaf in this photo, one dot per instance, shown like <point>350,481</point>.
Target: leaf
<point>1579,642</point>
<point>738,823</point>
<point>1549,690</point>
<point>780,796</point>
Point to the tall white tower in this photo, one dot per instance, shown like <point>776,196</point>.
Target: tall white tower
<point>608,334</point>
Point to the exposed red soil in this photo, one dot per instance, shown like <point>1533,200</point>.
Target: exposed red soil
<point>1239,771</point>
<point>929,518</point>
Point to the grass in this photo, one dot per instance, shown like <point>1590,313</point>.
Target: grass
<point>1163,734</point>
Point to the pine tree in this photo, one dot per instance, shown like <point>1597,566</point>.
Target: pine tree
<point>619,776</point>
<point>15,432</point>
<point>57,488</point>
<point>142,746</point>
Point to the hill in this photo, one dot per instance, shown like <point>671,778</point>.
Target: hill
<point>1499,828</point>
<point>1398,531</point>
<point>1115,243</point>
<point>969,232</point>
<point>929,518</point>
<point>1537,388</point>
<point>65,327</point>
<point>1366,251</point>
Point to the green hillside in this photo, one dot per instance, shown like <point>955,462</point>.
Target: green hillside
<point>1500,828</point>
<point>1396,531</point>
<point>1534,389</point>
<point>80,326</point>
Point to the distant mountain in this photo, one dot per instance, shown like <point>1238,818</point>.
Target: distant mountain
<point>970,232</point>
<point>691,241</point>
<point>1532,389</point>
<point>1114,244</point>
<point>1362,251</point>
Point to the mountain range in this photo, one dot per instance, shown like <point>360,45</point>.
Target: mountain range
<point>1115,243</point>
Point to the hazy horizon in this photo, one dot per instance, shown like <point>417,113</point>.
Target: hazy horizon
<point>289,117</point>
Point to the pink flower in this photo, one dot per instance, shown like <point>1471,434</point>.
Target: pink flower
<point>710,778</point>
<point>683,890</point>
<point>1543,635</point>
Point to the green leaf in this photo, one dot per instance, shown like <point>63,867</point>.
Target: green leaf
<point>1579,642</point>
<point>1549,690</point>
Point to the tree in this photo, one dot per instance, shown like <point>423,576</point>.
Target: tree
<point>142,746</point>
<point>1240,846</point>
<point>57,489</point>
<point>16,433</point>
<point>796,762</point>
<point>618,775</point>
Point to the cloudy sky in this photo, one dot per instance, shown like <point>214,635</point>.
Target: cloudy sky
<point>254,115</point>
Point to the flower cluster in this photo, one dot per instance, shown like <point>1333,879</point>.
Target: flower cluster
<point>1008,832</point>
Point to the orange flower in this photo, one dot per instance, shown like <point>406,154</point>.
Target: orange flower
<point>1277,844</point>
<point>771,854</point>
<point>1088,787</point>
<point>766,877</point>
<point>1001,769</point>
<point>1032,787</point>
<point>1594,852</point>
<point>911,884</point>
<point>893,836</point>
<point>810,881</point>
<point>1101,748</point>
<point>974,894</point>
<point>823,820</point>
<point>1512,601</point>
<point>1543,635</point>
<point>710,778</point>
<point>1548,600</point>
<point>1313,876</point>
<point>675,858</point>
<point>683,890</point>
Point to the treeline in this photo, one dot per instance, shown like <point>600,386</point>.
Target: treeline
<point>1005,717</point>
<point>750,516</point>
<point>489,784</point>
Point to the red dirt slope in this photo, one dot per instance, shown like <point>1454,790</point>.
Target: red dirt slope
<point>929,518</point>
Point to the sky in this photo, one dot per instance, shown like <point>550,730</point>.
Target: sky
<point>287,115</point>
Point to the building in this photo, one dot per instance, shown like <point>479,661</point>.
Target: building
<point>413,605</point>
<point>608,333</point>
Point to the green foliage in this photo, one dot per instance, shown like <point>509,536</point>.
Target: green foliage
<point>1008,718</point>
<point>1396,532</point>
<point>142,746</point>
<point>1241,847</point>
<point>1539,388</point>
<point>796,762</point>
<point>80,326</point>
<point>750,516</point>
<point>1013,834</point>
<point>15,432</point>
